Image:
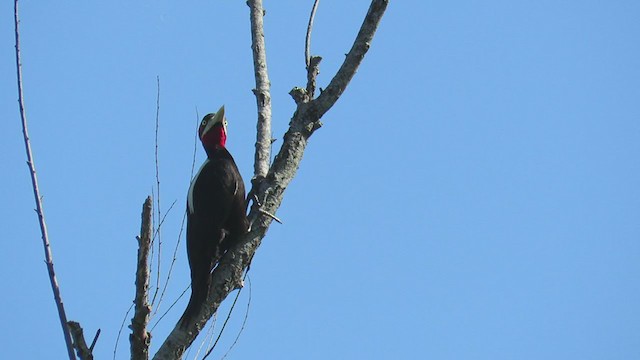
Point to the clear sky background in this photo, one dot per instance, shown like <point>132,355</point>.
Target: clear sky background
<point>473,194</point>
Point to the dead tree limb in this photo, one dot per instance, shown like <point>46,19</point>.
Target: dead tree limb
<point>140,338</point>
<point>353,59</point>
<point>228,275</point>
<point>312,62</point>
<point>84,353</point>
<point>262,92</point>
<point>38,198</point>
<point>307,40</point>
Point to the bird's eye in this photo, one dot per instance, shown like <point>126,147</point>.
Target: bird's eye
<point>204,122</point>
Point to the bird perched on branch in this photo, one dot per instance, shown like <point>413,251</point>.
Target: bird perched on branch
<point>216,210</point>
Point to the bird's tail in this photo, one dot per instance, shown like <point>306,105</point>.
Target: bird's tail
<point>198,297</point>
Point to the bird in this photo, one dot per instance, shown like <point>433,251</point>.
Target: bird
<point>216,210</point>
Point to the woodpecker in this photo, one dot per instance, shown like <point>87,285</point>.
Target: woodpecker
<point>216,210</point>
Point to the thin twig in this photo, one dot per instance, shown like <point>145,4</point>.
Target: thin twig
<point>208,338</point>
<point>164,217</point>
<point>257,202</point>
<point>140,338</point>
<point>170,307</point>
<point>157,289</point>
<point>158,232</point>
<point>307,41</point>
<point>262,92</point>
<point>265,212</point>
<point>173,261</point>
<point>38,198</point>
<point>124,320</point>
<point>244,321</point>
<point>184,217</point>
<point>224,325</point>
<point>195,143</point>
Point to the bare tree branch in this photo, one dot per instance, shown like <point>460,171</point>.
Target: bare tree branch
<point>84,353</point>
<point>307,41</point>
<point>353,59</point>
<point>36,194</point>
<point>313,69</point>
<point>312,62</point>
<point>262,92</point>
<point>140,338</point>
<point>228,275</point>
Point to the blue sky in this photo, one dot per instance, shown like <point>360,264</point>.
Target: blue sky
<point>473,194</point>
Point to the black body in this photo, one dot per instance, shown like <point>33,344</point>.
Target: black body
<point>216,218</point>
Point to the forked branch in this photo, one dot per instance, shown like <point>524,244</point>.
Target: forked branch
<point>84,352</point>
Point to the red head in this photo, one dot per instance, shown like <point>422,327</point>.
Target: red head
<point>213,129</point>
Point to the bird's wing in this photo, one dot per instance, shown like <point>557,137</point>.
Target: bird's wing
<point>214,191</point>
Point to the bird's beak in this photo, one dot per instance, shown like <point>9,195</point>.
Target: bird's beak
<point>217,118</point>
